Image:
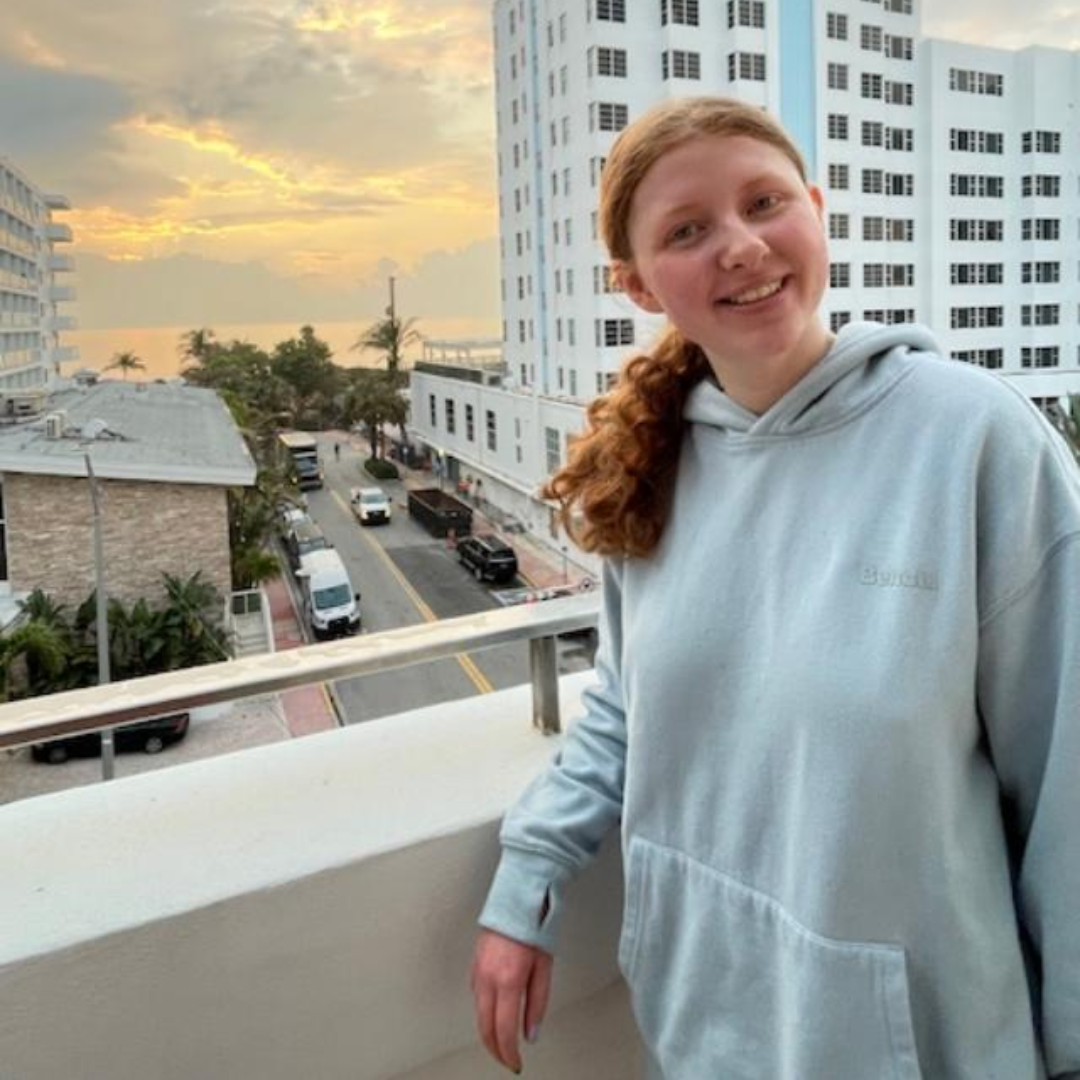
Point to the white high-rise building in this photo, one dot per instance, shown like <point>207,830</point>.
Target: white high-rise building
<point>30,295</point>
<point>949,171</point>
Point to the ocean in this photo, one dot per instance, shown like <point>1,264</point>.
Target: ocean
<point>158,346</point>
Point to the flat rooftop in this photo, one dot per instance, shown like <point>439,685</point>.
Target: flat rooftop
<point>159,432</point>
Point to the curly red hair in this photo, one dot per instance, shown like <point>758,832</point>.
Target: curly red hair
<point>614,491</point>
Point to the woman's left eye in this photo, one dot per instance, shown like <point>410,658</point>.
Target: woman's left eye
<point>764,203</point>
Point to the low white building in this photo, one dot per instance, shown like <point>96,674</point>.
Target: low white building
<point>31,292</point>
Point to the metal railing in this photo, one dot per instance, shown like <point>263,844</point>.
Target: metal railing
<point>75,711</point>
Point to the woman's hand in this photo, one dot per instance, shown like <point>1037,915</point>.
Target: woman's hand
<point>510,984</point>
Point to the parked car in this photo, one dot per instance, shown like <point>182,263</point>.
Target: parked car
<point>371,505</point>
<point>331,607</point>
<point>303,539</point>
<point>289,516</point>
<point>488,557</point>
<point>150,736</point>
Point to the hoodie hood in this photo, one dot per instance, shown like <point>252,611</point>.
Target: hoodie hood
<point>852,374</point>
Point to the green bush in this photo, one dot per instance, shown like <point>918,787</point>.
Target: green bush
<point>380,469</point>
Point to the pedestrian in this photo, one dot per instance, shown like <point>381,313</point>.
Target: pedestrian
<point>837,707</point>
<point>337,451</point>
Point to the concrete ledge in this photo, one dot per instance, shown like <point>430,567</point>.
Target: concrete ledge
<point>301,909</point>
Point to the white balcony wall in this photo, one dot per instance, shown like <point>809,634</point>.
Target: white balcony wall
<point>301,909</point>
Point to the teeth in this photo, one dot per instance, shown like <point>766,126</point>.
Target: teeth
<point>759,293</point>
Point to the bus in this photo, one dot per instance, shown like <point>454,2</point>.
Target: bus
<point>300,457</point>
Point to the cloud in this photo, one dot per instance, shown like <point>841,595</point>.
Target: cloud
<point>187,290</point>
<point>1004,23</point>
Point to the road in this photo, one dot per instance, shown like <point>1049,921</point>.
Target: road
<point>405,577</point>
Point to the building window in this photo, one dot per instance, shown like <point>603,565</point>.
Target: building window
<point>839,177</point>
<point>873,181</point>
<point>975,318</point>
<point>873,133</point>
<point>838,319</point>
<point>433,415</point>
<point>1040,314</point>
<point>838,126</point>
<point>746,13</point>
<point>899,47</point>
<point>604,280</point>
<point>977,186</point>
<point>1043,142</point>
<point>552,448</point>
<point>977,229</point>
<point>1040,273</point>
<point>977,273</point>
<point>1041,356</point>
<point>608,116</point>
<point>840,276</point>
<point>680,64</point>
<point>986,358</point>
<point>605,61</point>
<point>976,142</point>
<point>1042,187</point>
<point>839,226</point>
<point>837,76</point>
<point>470,425</point>
<point>611,10</point>
<point>450,425</point>
<point>870,38</point>
<point>614,332</point>
<point>976,82</point>
<point>836,26</point>
<point>1040,229</point>
<point>748,66</point>
<point>492,433</point>
<point>680,12</point>
<point>870,85</point>
<point>899,93</point>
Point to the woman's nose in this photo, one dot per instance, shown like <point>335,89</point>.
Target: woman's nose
<point>740,247</point>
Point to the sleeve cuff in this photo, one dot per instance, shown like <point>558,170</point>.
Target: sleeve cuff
<point>516,898</point>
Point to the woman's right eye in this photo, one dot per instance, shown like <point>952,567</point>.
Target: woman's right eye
<point>682,233</point>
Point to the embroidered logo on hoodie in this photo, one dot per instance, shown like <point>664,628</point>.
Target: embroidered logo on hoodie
<point>899,579</point>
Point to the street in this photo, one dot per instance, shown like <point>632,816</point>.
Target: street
<point>406,577</point>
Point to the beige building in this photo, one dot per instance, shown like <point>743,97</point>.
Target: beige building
<point>164,457</point>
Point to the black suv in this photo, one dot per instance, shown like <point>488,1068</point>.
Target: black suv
<point>488,557</point>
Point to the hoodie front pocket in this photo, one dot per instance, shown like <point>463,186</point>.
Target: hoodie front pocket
<point>727,985</point>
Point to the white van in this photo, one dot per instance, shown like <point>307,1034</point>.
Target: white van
<point>331,607</point>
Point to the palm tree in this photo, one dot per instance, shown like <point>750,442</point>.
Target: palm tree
<point>31,659</point>
<point>391,336</point>
<point>198,345</point>
<point>126,361</point>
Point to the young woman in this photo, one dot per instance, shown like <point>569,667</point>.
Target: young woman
<point>838,700</point>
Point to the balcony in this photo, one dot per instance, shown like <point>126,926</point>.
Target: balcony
<point>61,264</point>
<point>64,354</point>
<point>301,909</point>
<point>57,202</point>
<point>58,232</point>
<point>57,323</point>
<point>62,294</point>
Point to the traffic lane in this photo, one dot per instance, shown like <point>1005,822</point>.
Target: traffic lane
<point>385,605</point>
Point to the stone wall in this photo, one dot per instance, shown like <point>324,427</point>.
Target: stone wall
<point>148,529</point>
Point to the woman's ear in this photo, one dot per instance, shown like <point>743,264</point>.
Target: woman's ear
<point>631,283</point>
<point>818,199</point>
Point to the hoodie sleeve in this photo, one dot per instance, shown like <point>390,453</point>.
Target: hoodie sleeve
<point>556,826</point>
<point>1029,698</point>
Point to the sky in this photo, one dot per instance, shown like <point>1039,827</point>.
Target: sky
<point>261,161</point>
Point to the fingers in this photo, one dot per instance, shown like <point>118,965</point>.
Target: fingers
<point>508,1004</point>
<point>536,996</point>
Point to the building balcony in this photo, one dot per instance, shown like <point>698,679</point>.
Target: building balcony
<point>57,202</point>
<point>57,323</point>
<point>61,264</point>
<point>300,909</point>
<point>64,354</point>
<point>58,232</point>
<point>20,283</point>
<point>16,244</point>
<point>62,294</point>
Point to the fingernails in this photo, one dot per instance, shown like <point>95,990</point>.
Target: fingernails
<point>533,1033</point>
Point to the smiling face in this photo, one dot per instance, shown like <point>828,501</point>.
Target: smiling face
<point>727,241</point>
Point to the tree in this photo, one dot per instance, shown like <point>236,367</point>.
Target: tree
<point>375,399</point>
<point>32,657</point>
<point>125,361</point>
<point>198,345</point>
<point>391,336</point>
<point>1067,420</point>
<point>192,623</point>
<point>304,364</point>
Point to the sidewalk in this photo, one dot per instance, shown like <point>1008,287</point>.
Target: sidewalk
<point>307,709</point>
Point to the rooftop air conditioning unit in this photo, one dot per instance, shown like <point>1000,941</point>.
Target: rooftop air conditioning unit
<point>55,423</point>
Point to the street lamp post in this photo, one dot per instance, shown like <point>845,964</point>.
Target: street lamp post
<point>108,758</point>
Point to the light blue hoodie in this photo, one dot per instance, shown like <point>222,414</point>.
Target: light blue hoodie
<point>838,714</point>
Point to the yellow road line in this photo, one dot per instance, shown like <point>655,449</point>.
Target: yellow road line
<point>468,665</point>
